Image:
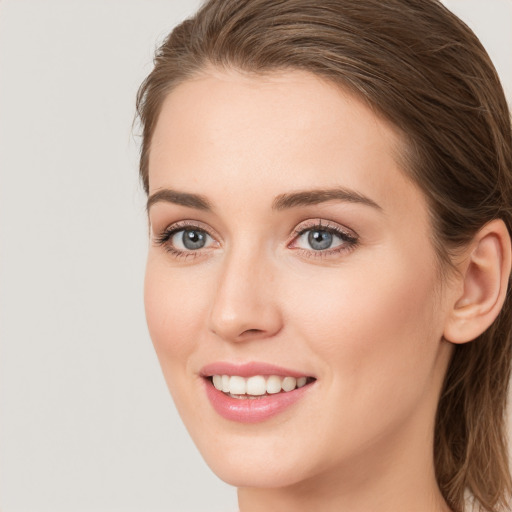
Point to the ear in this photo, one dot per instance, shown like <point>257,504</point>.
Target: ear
<point>484,279</point>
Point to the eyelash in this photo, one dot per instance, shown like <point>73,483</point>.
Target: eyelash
<point>349,239</point>
<point>163,239</point>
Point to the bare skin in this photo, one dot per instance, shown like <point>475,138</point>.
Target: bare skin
<point>364,316</point>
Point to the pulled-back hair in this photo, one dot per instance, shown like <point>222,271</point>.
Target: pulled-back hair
<point>422,69</point>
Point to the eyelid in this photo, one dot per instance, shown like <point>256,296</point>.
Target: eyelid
<point>326,225</point>
<point>349,237</point>
<point>186,224</point>
<point>163,239</point>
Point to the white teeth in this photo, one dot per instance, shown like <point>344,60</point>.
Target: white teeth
<point>237,385</point>
<point>274,384</point>
<point>225,383</point>
<point>289,383</point>
<point>217,381</point>
<point>301,381</point>
<point>257,385</point>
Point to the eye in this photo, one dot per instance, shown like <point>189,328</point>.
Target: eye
<point>190,239</point>
<point>185,240</point>
<point>319,239</point>
<point>323,240</point>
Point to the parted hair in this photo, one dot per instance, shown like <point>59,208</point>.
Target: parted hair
<point>425,72</point>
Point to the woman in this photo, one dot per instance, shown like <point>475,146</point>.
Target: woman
<point>329,197</point>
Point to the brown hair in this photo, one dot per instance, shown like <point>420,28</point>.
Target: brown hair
<point>426,72</point>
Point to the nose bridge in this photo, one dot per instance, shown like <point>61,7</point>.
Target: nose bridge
<point>245,304</point>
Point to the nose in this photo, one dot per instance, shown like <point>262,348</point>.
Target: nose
<point>245,305</point>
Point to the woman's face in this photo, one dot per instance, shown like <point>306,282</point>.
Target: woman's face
<point>288,246</point>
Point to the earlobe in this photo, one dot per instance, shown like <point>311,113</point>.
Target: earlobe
<point>485,276</point>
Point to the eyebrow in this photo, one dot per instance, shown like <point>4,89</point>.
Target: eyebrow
<point>181,198</point>
<point>309,197</point>
<point>281,202</point>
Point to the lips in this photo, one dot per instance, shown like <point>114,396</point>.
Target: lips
<point>248,370</point>
<point>253,392</point>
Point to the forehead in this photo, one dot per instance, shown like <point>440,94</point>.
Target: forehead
<point>277,132</point>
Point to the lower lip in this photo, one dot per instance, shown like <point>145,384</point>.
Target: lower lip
<point>246,410</point>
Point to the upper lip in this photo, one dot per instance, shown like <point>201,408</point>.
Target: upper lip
<point>248,369</point>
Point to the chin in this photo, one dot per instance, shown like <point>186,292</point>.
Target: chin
<point>240,473</point>
<point>258,459</point>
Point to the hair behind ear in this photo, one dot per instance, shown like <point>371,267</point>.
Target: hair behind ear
<point>470,445</point>
<point>470,435</point>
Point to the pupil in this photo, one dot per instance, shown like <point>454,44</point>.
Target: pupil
<point>193,239</point>
<point>320,240</point>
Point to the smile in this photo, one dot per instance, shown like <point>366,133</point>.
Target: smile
<point>253,392</point>
<point>256,386</point>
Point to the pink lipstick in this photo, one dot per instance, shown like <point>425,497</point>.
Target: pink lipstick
<point>253,392</point>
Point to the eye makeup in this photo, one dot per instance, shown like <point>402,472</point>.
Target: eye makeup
<point>325,239</point>
<point>321,239</point>
<point>166,237</point>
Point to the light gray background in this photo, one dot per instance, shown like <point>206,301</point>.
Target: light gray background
<point>86,423</point>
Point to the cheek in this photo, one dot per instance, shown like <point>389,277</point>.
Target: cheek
<point>373,326</point>
<point>174,303</point>
<point>375,335</point>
